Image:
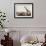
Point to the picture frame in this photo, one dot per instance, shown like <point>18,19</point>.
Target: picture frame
<point>23,10</point>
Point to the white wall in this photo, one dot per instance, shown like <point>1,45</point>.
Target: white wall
<point>38,23</point>
<point>39,13</point>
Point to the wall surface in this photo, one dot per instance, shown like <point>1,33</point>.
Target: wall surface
<point>25,25</point>
<point>39,13</point>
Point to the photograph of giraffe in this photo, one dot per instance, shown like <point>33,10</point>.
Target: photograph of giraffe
<point>23,9</point>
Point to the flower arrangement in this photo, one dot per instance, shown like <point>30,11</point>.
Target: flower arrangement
<point>2,18</point>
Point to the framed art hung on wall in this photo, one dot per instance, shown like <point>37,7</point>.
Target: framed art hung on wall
<point>23,10</point>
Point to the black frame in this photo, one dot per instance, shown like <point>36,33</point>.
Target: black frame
<point>23,3</point>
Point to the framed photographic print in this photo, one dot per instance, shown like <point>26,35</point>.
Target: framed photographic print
<point>23,10</point>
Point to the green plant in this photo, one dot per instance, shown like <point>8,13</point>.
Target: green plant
<point>2,18</point>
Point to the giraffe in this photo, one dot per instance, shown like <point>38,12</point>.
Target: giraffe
<point>28,13</point>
